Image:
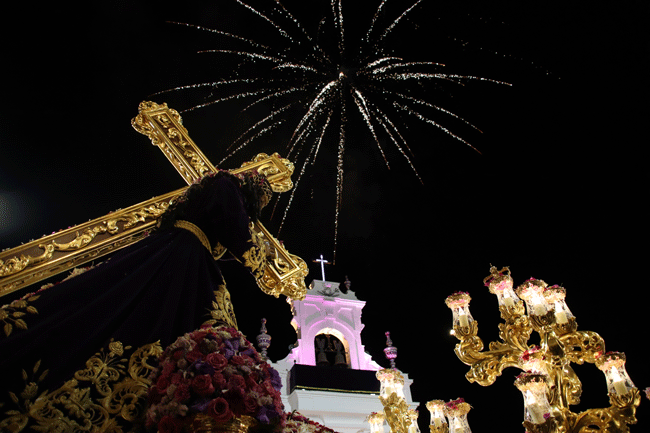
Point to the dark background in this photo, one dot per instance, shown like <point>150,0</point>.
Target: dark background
<point>557,192</point>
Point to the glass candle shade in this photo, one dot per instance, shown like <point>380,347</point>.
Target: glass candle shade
<point>500,284</point>
<point>391,381</point>
<point>534,360</point>
<point>459,305</point>
<point>456,412</point>
<point>532,292</point>
<point>437,412</point>
<point>376,421</point>
<point>533,387</point>
<point>555,295</point>
<point>613,365</point>
<point>413,418</point>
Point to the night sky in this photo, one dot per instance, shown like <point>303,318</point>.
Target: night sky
<point>556,192</point>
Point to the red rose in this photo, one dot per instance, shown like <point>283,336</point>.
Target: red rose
<point>216,360</point>
<point>176,378</point>
<point>237,360</point>
<point>198,336</point>
<point>170,425</point>
<point>178,354</point>
<point>194,355</point>
<point>250,404</point>
<point>182,393</point>
<point>202,385</point>
<point>250,382</point>
<point>236,381</point>
<point>219,381</point>
<point>162,383</point>
<point>219,410</point>
<point>168,368</point>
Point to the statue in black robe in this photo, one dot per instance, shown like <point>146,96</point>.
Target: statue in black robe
<point>81,356</point>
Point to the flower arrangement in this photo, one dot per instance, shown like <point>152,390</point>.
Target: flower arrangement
<point>297,423</point>
<point>214,372</point>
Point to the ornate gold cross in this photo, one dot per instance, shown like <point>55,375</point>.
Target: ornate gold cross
<point>40,259</point>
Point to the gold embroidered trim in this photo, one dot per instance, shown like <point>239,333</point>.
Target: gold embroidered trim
<point>223,311</point>
<point>186,225</point>
<point>255,257</point>
<point>109,394</point>
<point>11,314</point>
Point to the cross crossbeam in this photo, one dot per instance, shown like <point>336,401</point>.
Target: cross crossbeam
<point>42,258</point>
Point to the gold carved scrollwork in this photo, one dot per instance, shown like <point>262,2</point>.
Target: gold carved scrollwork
<point>581,346</point>
<point>58,252</point>
<point>284,273</point>
<point>560,345</point>
<point>276,169</point>
<point>109,392</point>
<point>66,249</point>
<point>485,367</point>
<point>164,128</point>
<point>396,411</point>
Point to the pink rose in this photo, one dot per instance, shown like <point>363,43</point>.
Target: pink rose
<point>202,385</point>
<point>219,410</point>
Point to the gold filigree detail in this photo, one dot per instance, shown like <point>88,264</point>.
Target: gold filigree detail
<point>164,127</point>
<point>56,253</point>
<point>560,346</point>
<point>11,315</point>
<point>222,311</point>
<point>276,169</point>
<point>108,393</point>
<point>254,260</point>
<point>218,251</point>
<point>64,250</point>
<point>284,273</point>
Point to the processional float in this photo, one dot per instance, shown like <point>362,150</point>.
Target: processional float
<point>64,250</point>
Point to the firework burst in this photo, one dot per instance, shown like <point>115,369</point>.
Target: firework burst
<point>314,82</point>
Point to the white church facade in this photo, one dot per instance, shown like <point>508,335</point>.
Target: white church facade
<point>328,376</point>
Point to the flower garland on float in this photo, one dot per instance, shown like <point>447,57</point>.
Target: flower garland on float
<point>214,372</point>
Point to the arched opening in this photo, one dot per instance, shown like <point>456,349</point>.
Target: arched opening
<point>332,349</point>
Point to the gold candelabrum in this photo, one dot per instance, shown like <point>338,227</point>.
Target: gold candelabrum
<point>397,413</point>
<point>548,383</point>
<point>450,417</point>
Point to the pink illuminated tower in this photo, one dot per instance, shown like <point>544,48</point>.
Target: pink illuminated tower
<point>328,376</point>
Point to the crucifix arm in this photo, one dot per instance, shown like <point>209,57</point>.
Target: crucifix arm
<point>42,258</point>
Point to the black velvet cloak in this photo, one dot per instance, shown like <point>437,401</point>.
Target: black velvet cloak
<point>85,332</point>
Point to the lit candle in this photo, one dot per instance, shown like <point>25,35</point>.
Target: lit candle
<point>510,303</point>
<point>462,318</point>
<point>534,408</point>
<point>560,315</point>
<point>618,383</point>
